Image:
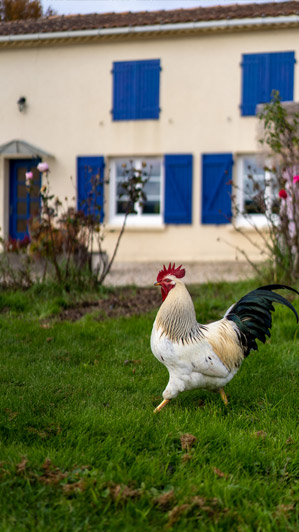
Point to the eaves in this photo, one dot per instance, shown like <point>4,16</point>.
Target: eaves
<point>148,31</point>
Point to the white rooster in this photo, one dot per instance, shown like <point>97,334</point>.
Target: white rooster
<point>207,356</point>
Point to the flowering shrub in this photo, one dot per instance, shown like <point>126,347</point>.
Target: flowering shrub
<point>280,240</point>
<point>66,238</point>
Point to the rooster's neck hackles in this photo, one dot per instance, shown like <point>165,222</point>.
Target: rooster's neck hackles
<point>176,317</point>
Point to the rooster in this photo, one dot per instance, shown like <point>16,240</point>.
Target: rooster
<point>207,356</point>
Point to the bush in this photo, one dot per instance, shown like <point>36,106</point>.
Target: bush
<point>64,239</point>
<point>280,240</point>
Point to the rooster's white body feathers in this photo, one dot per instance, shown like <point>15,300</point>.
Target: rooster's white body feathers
<point>194,354</point>
<point>190,366</point>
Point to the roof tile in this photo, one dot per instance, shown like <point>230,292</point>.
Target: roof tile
<point>63,23</point>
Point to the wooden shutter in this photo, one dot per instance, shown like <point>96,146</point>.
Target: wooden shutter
<point>281,75</point>
<point>136,90</point>
<point>254,82</point>
<point>216,188</point>
<point>178,189</point>
<point>124,90</point>
<point>263,73</point>
<point>148,89</point>
<point>90,194</point>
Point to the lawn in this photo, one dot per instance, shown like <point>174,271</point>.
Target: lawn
<point>80,447</point>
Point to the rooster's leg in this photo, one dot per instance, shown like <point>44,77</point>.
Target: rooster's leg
<point>223,396</point>
<point>161,405</point>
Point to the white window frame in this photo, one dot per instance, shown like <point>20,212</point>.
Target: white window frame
<point>250,220</point>
<point>139,219</point>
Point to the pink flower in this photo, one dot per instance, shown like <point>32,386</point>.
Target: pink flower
<point>282,194</point>
<point>295,178</point>
<point>43,167</point>
<point>28,175</point>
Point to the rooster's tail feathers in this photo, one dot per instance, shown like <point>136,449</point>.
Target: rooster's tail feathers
<point>252,314</point>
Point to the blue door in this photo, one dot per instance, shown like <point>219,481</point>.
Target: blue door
<point>24,202</point>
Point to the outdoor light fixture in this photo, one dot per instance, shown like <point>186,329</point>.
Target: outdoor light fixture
<point>21,103</point>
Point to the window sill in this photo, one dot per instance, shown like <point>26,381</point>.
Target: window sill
<point>111,227</point>
<point>136,221</point>
<point>258,221</point>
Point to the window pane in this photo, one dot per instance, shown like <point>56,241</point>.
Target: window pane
<point>34,208</point>
<point>121,167</point>
<point>35,183</point>
<point>21,226</point>
<point>120,190</point>
<point>22,190</point>
<point>22,208</point>
<point>274,188</point>
<point>34,190</point>
<point>153,168</point>
<point>21,175</point>
<point>152,188</point>
<point>253,187</point>
<point>151,207</point>
<point>121,207</point>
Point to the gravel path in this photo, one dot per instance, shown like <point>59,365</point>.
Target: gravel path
<point>124,273</point>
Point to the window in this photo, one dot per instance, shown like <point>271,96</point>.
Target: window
<point>168,191</point>
<point>136,88</point>
<point>147,213</point>
<point>261,74</point>
<point>256,190</point>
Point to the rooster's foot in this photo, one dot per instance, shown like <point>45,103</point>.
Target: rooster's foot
<point>223,396</point>
<point>161,405</point>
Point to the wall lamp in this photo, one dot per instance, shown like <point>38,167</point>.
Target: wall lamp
<point>21,103</point>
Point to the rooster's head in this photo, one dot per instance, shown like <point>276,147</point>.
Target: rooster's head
<point>165,278</point>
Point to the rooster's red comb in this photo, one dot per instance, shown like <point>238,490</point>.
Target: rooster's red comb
<point>171,270</point>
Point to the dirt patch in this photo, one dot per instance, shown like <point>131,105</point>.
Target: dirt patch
<point>126,302</point>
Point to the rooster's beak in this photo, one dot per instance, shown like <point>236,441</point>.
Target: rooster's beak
<point>157,284</point>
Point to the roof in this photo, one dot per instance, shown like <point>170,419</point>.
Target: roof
<point>168,19</point>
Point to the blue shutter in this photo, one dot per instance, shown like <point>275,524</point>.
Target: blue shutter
<point>136,90</point>
<point>254,82</point>
<point>216,188</point>
<point>148,89</point>
<point>124,90</point>
<point>263,73</point>
<point>90,178</point>
<point>178,189</point>
<point>281,75</point>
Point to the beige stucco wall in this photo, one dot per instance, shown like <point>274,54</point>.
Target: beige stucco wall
<point>69,95</point>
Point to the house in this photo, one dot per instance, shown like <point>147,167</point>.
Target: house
<point>177,90</point>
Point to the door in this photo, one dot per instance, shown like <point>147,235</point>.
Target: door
<point>24,202</point>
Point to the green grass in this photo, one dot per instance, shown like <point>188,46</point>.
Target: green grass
<point>80,447</point>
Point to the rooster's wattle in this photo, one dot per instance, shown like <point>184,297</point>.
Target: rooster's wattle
<point>207,356</point>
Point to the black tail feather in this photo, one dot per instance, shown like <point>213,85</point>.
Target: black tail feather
<point>252,314</point>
